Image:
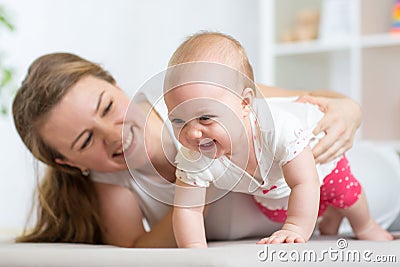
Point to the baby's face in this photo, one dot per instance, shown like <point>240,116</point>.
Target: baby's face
<point>206,118</point>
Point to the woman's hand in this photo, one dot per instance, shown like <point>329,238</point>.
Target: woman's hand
<point>341,120</point>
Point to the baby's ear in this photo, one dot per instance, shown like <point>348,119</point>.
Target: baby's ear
<point>247,96</point>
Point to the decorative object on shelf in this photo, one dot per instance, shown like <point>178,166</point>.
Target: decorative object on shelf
<point>6,73</point>
<point>335,20</point>
<point>363,65</point>
<point>305,28</point>
<point>396,18</point>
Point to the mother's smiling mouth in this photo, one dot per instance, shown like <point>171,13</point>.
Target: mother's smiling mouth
<point>127,143</point>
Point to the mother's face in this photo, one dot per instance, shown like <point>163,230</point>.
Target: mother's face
<point>86,127</point>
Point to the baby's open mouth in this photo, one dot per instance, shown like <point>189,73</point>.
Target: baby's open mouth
<point>207,144</point>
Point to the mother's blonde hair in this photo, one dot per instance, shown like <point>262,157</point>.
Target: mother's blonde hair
<point>68,209</point>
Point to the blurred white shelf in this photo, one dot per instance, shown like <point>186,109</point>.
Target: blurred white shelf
<point>362,62</point>
<point>308,47</point>
<point>380,40</point>
<point>321,46</point>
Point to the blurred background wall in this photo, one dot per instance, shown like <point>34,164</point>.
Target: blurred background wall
<point>350,46</point>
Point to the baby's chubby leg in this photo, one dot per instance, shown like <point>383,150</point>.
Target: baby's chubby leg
<point>330,222</point>
<point>364,226</point>
<point>345,198</point>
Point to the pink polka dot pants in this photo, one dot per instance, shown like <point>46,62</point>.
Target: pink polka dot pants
<point>339,189</point>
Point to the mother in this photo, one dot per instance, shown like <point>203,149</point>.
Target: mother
<point>70,112</point>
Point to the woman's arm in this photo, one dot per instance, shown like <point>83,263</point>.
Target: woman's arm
<point>342,119</point>
<point>121,219</point>
<point>269,91</point>
<point>187,218</point>
<point>302,178</point>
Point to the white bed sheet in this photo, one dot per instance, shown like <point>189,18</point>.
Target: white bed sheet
<point>233,253</point>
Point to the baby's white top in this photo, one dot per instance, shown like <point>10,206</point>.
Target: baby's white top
<point>285,128</point>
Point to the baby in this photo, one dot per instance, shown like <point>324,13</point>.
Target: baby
<point>254,145</point>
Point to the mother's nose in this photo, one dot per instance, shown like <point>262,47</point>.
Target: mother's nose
<point>110,132</point>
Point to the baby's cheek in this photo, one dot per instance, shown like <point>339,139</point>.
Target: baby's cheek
<point>179,135</point>
<point>176,133</point>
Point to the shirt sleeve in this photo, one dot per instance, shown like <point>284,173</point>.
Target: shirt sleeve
<point>293,127</point>
<point>193,168</point>
<point>292,136</point>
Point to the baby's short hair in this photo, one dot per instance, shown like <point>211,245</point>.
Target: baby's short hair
<point>216,47</point>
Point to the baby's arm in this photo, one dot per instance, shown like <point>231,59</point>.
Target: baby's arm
<point>301,176</point>
<point>187,218</point>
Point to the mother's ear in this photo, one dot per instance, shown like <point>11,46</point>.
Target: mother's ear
<point>247,102</point>
<point>69,163</point>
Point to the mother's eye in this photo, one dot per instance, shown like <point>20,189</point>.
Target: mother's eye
<point>87,141</point>
<point>108,108</point>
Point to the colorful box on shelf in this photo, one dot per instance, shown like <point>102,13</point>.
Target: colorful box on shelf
<point>396,18</point>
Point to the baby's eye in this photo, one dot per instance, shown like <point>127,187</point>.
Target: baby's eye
<point>205,118</point>
<point>177,121</point>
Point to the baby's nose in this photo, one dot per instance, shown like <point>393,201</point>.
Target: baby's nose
<point>193,131</point>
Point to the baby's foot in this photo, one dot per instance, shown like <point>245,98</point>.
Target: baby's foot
<point>373,231</point>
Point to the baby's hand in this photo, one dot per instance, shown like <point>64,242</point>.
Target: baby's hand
<point>283,236</point>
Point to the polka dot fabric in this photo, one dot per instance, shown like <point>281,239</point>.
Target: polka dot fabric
<point>295,147</point>
<point>278,216</point>
<point>340,189</point>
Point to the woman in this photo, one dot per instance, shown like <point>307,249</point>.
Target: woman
<point>69,112</point>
